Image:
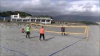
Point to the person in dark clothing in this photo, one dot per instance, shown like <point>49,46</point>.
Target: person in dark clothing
<point>63,30</point>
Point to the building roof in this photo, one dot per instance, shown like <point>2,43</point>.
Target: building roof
<point>48,18</point>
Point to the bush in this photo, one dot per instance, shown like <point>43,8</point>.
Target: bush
<point>8,20</point>
<point>89,23</point>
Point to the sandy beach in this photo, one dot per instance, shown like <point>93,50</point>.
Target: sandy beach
<point>14,43</point>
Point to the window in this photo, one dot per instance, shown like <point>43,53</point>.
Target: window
<point>32,20</point>
<point>48,20</point>
<point>13,19</point>
<point>43,20</point>
<point>38,20</point>
<point>19,20</point>
<point>25,20</point>
<point>15,16</point>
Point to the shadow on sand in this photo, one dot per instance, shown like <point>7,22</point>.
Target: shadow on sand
<point>49,38</point>
<point>65,47</point>
<point>34,37</point>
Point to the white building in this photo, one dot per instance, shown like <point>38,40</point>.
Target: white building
<point>98,23</point>
<point>43,20</point>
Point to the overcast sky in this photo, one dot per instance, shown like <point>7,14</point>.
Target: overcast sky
<point>52,7</point>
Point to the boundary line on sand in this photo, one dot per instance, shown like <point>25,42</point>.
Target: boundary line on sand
<point>99,35</point>
<point>65,47</point>
<point>97,42</point>
<point>13,50</point>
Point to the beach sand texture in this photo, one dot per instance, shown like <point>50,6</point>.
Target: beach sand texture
<point>14,43</point>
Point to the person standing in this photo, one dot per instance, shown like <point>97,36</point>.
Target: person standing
<point>42,33</point>
<point>27,32</point>
<point>63,30</point>
<point>23,30</point>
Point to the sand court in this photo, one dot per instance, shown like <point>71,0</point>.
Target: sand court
<point>14,43</point>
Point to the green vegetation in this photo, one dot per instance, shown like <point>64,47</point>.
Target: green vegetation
<point>89,23</point>
<point>77,22</point>
<point>22,14</point>
<point>9,13</point>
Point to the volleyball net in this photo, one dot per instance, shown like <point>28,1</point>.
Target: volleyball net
<point>57,29</point>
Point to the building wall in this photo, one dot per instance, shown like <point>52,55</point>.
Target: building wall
<point>17,18</point>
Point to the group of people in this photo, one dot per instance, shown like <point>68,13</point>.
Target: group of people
<point>27,31</point>
<point>42,30</point>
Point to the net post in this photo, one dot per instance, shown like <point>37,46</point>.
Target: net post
<point>87,36</point>
<point>31,26</point>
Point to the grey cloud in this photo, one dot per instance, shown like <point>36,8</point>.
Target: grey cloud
<point>40,7</point>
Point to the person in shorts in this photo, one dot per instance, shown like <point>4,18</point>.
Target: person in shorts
<point>27,32</point>
<point>63,30</point>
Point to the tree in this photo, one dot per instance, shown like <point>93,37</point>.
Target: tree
<point>9,13</point>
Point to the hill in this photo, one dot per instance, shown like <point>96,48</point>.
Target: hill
<point>8,13</point>
<point>77,18</point>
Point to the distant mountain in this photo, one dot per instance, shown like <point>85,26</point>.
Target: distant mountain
<point>77,18</point>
